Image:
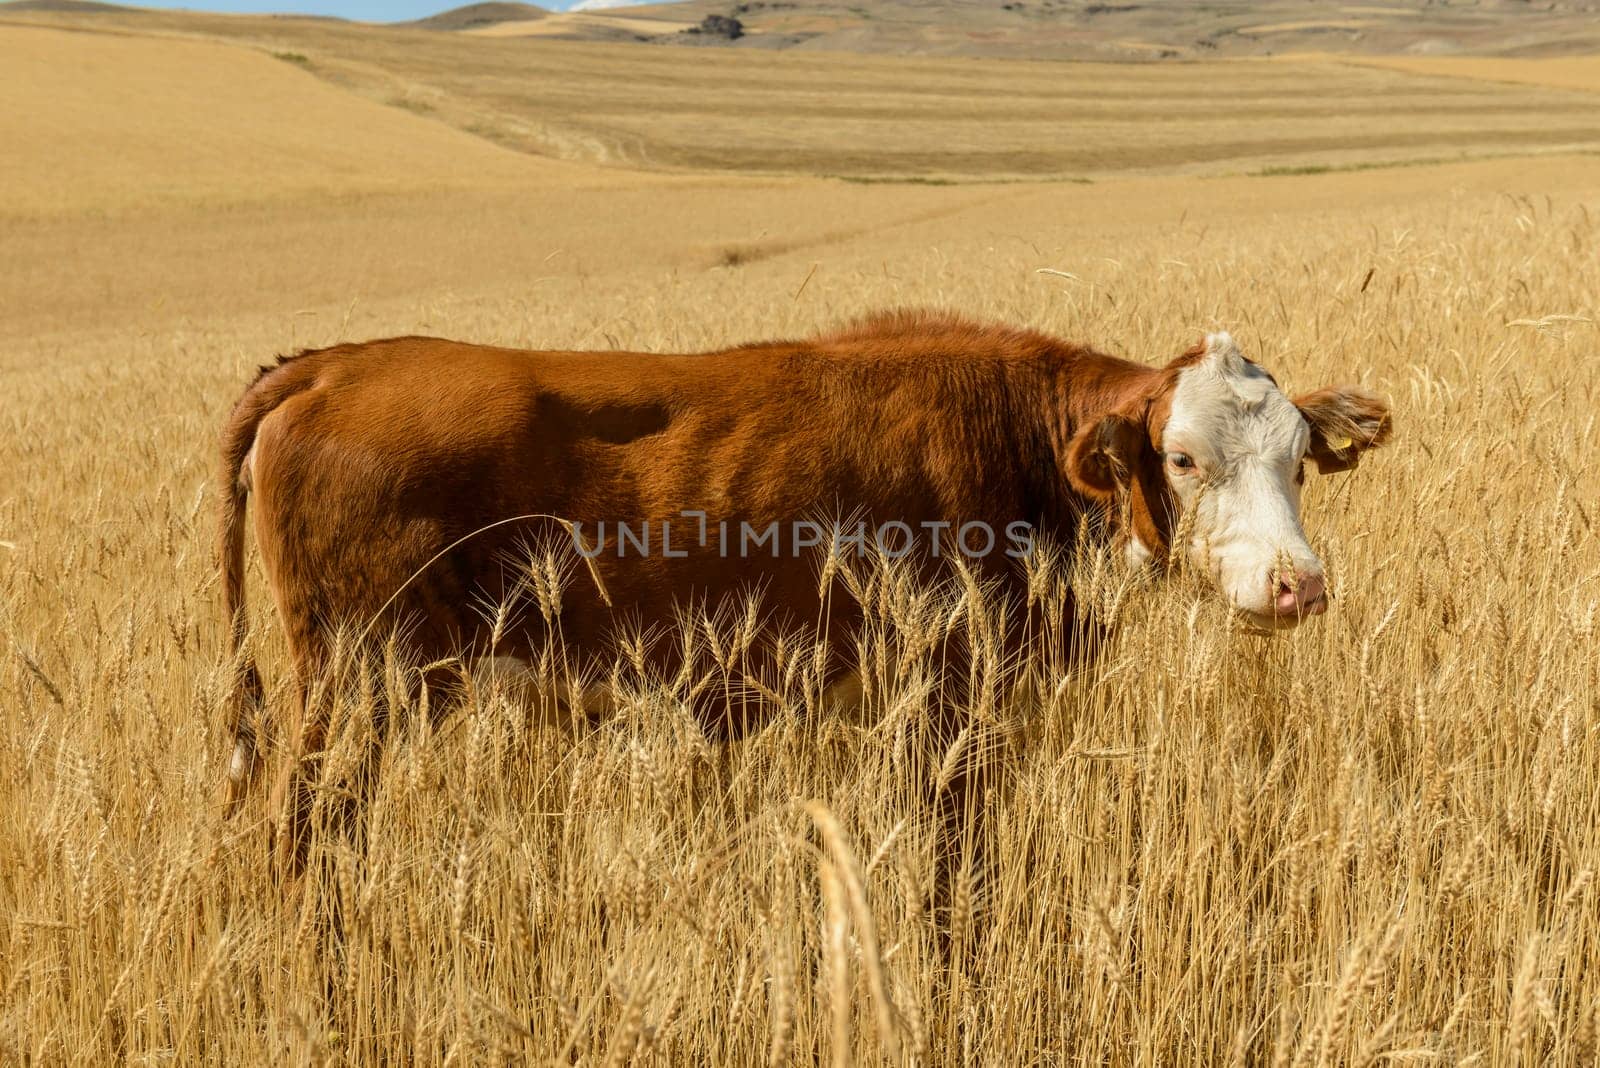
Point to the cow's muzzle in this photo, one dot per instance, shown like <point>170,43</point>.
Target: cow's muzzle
<point>1294,599</point>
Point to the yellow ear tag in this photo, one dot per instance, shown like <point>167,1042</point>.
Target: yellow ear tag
<point>1340,445</point>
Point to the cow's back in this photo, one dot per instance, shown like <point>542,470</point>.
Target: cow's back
<point>393,476</point>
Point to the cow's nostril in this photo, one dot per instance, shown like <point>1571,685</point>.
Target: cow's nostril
<point>1299,594</point>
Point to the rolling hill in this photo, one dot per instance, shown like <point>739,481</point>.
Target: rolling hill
<point>267,128</point>
<point>802,110</point>
<point>1091,29</point>
<point>1122,30</point>
<point>473,16</point>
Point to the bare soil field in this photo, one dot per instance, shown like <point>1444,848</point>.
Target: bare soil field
<point>1372,841</point>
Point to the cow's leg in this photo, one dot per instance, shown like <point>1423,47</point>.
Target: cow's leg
<point>323,681</point>
<point>306,736</point>
<point>445,684</point>
<point>248,705</point>
<point>970,760</point>
<point>556,704</point>
<point>961,872</point>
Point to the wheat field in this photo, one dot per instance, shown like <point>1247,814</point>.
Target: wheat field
<point>1373,840</point>
<point>928,118</point>
<point>1566,72</point>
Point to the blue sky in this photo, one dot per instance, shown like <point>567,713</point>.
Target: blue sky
<point>366,10</point>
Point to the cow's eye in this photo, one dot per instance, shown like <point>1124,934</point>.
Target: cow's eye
<point>1181,460</point>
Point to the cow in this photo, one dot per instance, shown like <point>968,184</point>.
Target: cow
<point>392,478</point>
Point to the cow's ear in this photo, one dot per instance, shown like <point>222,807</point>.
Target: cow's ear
<point>1345,422</point>
<point>1103,456</point>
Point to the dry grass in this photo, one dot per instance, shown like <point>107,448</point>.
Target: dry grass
<point>1374,839</point>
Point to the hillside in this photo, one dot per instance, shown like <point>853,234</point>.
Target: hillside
<point>472,16</point>
<point>931,118</point>
<point>1097,29</point>
<point>268,128</point>
<point>64,7</point>
<point>1120,30</point>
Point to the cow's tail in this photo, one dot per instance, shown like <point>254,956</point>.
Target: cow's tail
<point>245,700</point>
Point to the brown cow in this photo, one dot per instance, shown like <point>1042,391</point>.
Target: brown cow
<point>385,474</point>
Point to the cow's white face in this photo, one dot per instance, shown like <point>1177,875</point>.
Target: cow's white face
<point>1209,463</point>
<point>1233,452</point>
